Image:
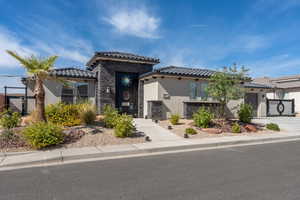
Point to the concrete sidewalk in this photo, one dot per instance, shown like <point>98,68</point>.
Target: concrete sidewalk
<point>154,131</point>
<point>60,156</point>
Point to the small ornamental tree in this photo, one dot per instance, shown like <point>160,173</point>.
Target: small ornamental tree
<point>226,85</point>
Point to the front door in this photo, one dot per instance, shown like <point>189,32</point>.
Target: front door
<point>252,99</point>
<point>127,92</point>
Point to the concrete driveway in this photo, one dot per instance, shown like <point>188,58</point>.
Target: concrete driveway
<point>289,124</point>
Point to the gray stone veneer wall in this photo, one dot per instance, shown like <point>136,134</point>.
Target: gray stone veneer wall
<point>141,99</point>
<point>106,71</point>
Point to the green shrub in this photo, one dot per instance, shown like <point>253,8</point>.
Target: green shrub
<point>9,119</point>
<point>236,128</point>
<point>273,127</point>
<point>63,114</point>
<point>190,131</point>
<point>41,134</point>
<point>174,119</point>
<point>124,127</point>
<point>87,113</point>
<point>245,113</point>
<point>110,116</point>
<point>202,118</point>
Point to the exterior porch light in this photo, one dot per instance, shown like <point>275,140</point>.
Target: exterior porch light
<point>108,90</point>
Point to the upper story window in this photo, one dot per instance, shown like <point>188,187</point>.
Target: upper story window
<point>198,91</point>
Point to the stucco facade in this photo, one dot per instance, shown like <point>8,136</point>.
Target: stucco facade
<point>174,92</point>
<point>53,91</point>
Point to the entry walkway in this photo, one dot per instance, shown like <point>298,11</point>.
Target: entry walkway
<point>154,131</point>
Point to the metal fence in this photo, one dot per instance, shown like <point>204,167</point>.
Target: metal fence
<point>280,107</point>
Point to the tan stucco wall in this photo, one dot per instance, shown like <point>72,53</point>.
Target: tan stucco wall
<point>150,93</point>
<point>178,92</point>
<point>53,92</point>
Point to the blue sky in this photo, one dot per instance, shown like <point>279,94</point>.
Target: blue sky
<point>262,35</point>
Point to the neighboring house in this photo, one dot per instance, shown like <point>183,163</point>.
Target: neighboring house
<point>129,83</point>
<point>285,88</point>
<point>15,101</point>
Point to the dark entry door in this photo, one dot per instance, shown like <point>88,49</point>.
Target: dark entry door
<point>252,99</point>
<point>127,92</point>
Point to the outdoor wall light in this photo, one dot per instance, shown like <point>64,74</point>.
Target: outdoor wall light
<point>108,90</point>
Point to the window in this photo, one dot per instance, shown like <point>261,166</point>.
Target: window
<point>67,95</point>
<point>82,91</point>
<point>78,90</point>
<point>198,91</point>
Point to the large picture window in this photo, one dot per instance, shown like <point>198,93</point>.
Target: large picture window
<point>198,91</point>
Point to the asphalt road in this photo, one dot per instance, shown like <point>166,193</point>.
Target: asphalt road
<point>269,171</point>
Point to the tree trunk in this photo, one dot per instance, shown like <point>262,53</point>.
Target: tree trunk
<point>39,93</point>
<point>222,110</point>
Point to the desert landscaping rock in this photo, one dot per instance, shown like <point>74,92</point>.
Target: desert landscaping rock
<point>250,128</point>
<point>103,137</point>
<point>185,123</point>
<point>212,130</point>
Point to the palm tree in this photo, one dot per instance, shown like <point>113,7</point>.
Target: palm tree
<point>38,69</point>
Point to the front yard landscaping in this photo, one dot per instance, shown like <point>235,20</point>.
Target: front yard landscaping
<point>67,126</point>
<point>180,129</point>
<point>204,124</point>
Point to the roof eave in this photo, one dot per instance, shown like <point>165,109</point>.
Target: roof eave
<point>96,58</point>
<point>148,75</point>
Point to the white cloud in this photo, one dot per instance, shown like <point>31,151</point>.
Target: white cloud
<point>64,46</point>
<point>10,42</point>
<point>136,22</point>
<point>275,66</point>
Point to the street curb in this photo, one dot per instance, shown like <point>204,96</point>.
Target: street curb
<point>61,159</point>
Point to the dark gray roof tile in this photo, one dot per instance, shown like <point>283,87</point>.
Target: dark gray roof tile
<point>73,73</point>
<point>182,71</point>
<point>128,56</point>
<point>257,85</point>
